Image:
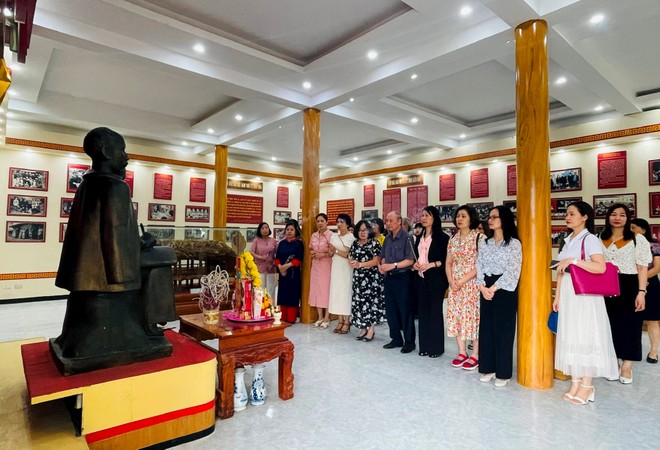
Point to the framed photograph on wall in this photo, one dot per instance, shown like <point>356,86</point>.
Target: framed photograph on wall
<point>197,213</point>
<point>135,208</point>
<point>557,234</point>
<point>25,232</point>
<point>482,209</point>
<point>26,205</point>
<point>30,179</point>
<point>195,234</point>
<point>450,231</point>
<point>654,204</point>
<point>566,180</point>
<point>161,212</point>
<point>299,217</point>
<point>369,214</point>
<point>281,217</point>
<point>602,202</point>
<point>65,206</point>
<point>278,233</point>
<point>74,176</point>
<point>654,172</point>
<point>513,206</point>
<point>447,212</point>
<point>558,206</point>
<point>655,232</point>
<point>250,234</point>
<point>161,232</point>
<point>63,226</point>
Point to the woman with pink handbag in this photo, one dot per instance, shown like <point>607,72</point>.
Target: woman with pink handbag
<point>632,256</point>
<point>584,347</point>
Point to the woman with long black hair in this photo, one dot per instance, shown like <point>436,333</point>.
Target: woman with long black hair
<point>498,270</point>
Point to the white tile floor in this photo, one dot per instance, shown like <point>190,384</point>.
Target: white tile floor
<point>351,394</point>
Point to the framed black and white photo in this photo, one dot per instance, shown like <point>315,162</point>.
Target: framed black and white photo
<point>482,209</point>
<point>566,180</point>
<point>654,204</point>
<point>558,206</point>
<point>369,214</point>
<point>74,176</point>
<point>30,179</point>
<point>557,235</point>
<point>63,226</point>
<point>603,202</point>
<point>281,217</point>
<point>278,233</point>
<point>654,172</point>
<point>161,212</point>
<point>447,212</point>
<point>25,232</point>
<point>512,205</point>
<point>65,206</point>
<point>197,213</point>
<point>250,234</point>
<point>135,208</point>
<point>197,234</point>
<point>26,205</point>
<point>161,232</point>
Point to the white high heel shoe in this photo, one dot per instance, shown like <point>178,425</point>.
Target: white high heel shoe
<point>580,401</point>
<point>567,396</point>
<point>626,380</point>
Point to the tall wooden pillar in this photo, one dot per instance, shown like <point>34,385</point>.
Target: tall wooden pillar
<point>310,200</point>
<point>220,189</point>
<point>535,343</point>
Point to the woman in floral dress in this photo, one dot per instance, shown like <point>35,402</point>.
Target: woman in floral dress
<point>368,303</point>
<point>463,301</point>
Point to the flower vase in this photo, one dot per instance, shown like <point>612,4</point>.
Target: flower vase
<point>258,391</point>
<point>211,316</point>
<point>240,393</point>
<point>278,317</point>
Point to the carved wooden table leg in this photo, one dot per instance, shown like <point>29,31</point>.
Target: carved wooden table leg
<point>285,374</point>
<point>225,391</point>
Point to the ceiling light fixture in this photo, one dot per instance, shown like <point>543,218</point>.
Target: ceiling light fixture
<point>389,152</point>
<point>372,54</point>
<point>414,120</point>
<point>307,85</point>
<point>413,76</point>
<point>466,11</point>
<point>238,117</point>
<point>599,108</point>
<point>560,80</point>
<point>272,158</point>
<point>597,18</point>
<point>184,143</point>
<point>199,48</point>
<point>355,158</point>
<point>463,136</point>
<point>210,130</point>
<point>351,99</point>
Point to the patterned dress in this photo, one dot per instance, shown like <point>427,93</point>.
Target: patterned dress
<point>463,305</point>
<point>368,300</point>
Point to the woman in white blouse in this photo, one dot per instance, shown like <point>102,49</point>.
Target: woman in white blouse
<point>498,270</point>
<point>632,256</point>
<point>584,342</point>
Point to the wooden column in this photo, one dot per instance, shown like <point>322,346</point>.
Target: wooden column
<point>220,190</point>
<point>535,348</point>
<point>310,200</point>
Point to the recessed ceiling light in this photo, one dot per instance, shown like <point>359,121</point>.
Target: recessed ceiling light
<point>561,80</point>
<point>257,179</point>
<point>389,152</point>
<point>597,18</point>
<point>210,130</point>
<point>272,158</point>
<point>561,150</point>
<point>413,76</point>
<point>399,174</point>
<point>599,108</point>
<point>355,158</point>
<point>466,11</point>
<point>414,120</point>
<point>351,99</point>
<point>237,176</point>
<point>10,114</point>
<point>468,165</point>
<point>419,171</point>
<point>199,48</point>
<point>184,143</point>
<point>372,54</point>
<point>238,117</point>
<point>463,136</point>
<point>496,160</point>
<point>279,126</point>
<point>307,85</point>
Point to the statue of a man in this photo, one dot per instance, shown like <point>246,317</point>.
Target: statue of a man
<point>100,266</point>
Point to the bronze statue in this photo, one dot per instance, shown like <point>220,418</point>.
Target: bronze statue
<point>105,323</point>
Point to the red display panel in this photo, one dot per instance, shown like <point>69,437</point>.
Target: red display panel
<point>417,199</point>
<point>369,193</point>
<point>479,183</point>
<point>612,170</point>
<point>447,187</point>
<point>282,197</point>
<point>391,201</point>
<point>163,186</point>
<point>197,189</point>
<point>336,207</point>
<point>244,209</point>
<point>511,180</point>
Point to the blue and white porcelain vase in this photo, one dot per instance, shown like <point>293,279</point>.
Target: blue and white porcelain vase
<point>240,393</point>
<point>258,391</point>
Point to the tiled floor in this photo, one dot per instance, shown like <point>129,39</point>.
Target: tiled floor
<point>351,394</point>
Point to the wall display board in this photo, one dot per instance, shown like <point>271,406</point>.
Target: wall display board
<point>130,179</point>
<point>65,206</point>
<point>281,217</point>
<point>278,233</point>
<point>197,190</point>
<point>511,180</point>
<point>417,199</point>
<point>244,209</point>
<point>63,226</point>
<point>245,185</point>
<point>406,180</point>
<point>558,206</point>
<point>135,208</point>
<point>194,213</point>
<point>447,212</point>
<point>369,195</point>
<point>163,186</point>
<point>602,202</point>
<point>30,179</point>
<point>26,205</point>
<point>74,176</point>
<point>566,180</point>
<point>335,207</point>
<point>161,212</point>
<point>612,170</point>
<point>654,172</point>
<point>391,201</point>
<point>161,232</point>
<point>369,214</point>
<point>557,234</point>
<point>25,232</point>
<point>654,204</point>
<point>512,205</point>
<point>282,197</point>
<point>482,209</point>
<point>655,231</point>
<point>447,187</point>
<point>196,234</point>
<point>479,183</point>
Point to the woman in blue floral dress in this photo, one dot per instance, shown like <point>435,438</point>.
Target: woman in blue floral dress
<point>368,303</point>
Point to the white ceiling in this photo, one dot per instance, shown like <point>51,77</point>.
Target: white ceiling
<point>130,65</point>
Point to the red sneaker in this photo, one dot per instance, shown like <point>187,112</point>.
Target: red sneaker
<point>471,363</point>
<point>459,360</point>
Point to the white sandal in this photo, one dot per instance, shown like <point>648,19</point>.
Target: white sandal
<point>318,323</point>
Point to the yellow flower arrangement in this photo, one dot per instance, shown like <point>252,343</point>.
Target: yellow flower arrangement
<point>249,269</point>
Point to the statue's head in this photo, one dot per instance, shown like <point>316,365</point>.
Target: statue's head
<point>107,150</point>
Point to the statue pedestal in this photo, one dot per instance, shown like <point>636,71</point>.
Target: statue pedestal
<point>136,405</point>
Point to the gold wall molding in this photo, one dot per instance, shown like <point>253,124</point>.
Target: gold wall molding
<point>26,276</point>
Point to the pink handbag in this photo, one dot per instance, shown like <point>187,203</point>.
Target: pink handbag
<point>587,283</point>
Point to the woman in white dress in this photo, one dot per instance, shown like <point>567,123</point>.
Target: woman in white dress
<point>341,274</point>
<point>584,347</point>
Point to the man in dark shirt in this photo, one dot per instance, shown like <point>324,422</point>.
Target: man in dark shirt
<point>396,259</point>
